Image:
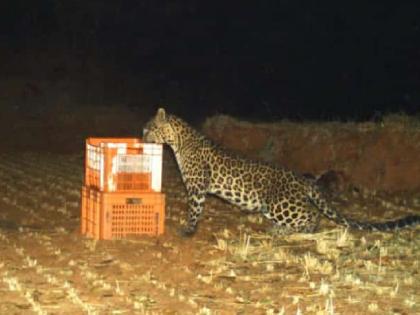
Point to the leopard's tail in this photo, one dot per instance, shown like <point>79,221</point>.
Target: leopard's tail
<point>322,205</point>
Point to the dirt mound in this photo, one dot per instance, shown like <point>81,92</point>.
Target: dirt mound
<point>379,156</point>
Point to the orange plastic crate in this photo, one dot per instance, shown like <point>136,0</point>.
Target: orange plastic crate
<point>123,164</point>
<point>115,215</point>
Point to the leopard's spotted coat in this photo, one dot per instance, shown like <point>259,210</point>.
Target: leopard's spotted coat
<point>293,203</point>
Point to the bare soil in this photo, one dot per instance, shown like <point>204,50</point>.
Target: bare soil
<point>231,266</point>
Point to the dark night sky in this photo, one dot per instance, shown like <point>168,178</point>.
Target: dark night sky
<point>268,60</point>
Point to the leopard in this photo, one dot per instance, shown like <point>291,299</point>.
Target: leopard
<point>293,202</point>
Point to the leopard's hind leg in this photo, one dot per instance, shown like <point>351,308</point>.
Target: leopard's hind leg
<point>291,219</point>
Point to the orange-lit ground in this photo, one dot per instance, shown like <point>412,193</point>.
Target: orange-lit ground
<point>230,267</point>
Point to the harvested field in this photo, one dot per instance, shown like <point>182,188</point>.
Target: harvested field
<point>328,90</point>
<point>231,266</point>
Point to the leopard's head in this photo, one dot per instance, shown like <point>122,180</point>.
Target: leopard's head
<point>160,129</point>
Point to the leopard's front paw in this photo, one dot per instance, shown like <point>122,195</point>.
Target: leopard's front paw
<point>276,230</point>
<point>187,231</point>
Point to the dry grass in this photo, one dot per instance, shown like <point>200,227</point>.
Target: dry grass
<point>230,267</point>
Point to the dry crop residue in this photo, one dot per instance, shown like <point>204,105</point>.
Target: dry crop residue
<point>232,266</point>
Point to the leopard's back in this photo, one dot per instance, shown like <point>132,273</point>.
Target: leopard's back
<point>291,202</point>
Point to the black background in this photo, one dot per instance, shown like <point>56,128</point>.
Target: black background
<point>265,60</point>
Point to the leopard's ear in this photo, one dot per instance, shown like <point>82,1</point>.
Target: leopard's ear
<point>161,115</point>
